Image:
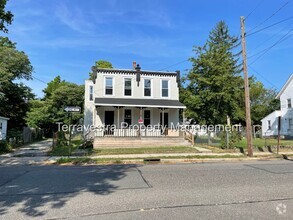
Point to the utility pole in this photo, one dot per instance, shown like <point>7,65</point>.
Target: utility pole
<point>246,88</point>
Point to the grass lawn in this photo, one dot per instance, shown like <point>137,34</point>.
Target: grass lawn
<point>147,150</point>
<point>86,160</point>
<point>257,142</point>
<point>64,150</point>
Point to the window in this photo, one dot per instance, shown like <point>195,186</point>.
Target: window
<point>290,123</point>
<point>289,103</point>
<point>269,125</point>
<point>165,88</point>
<point>91,93</point>
<point>0,126</point>
<point>109,86</point>
<point>127,117</point>
<point>147,87</point>
<point>147,117</point>
<point>127,87</point>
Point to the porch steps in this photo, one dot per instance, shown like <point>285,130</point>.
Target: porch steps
<point>133,142</point>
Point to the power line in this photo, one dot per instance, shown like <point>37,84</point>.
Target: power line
<point>261,23</point>
<point>250,13</point>
<point>250,67</point>
<point>39,79</point>
<point>271,37</point>
<point>279,22</point>
<point>276,43</point>
<point>183,61</point>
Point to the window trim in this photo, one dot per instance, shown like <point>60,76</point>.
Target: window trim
<point>290,124</point>
<point>161,89</point>
<point>151,116</point>
<point>289,101</point>
<point>89,97</point>
<point>124,78</point>
<point>269,125</point>
<point>131,115</point>
<point>113,85</point>
<point>151,79</point>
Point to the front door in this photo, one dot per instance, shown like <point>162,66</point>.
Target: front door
<point>109,122</point>
<point>164,124</point>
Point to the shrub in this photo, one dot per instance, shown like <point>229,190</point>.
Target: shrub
<point>4,147</point>
<point>234,138</point>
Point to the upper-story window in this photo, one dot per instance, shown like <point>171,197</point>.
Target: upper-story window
<point>127,87</point>
<point>269,125</point>
<point>109,86</point>
<point>289,103</point>
<point>147,87</point>
<point>165,88</point>
<point>91,93</point>
<point>290,121</point>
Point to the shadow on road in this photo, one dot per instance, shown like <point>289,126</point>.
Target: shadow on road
<point>32,190</point>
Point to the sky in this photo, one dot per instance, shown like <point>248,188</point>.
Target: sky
<point>66,37</point>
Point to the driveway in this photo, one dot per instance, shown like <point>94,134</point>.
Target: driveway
<point>29,154</point>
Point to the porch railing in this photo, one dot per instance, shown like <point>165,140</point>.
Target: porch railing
<point>125,132</point>
<point>189,136</point>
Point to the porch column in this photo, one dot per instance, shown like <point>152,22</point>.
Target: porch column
<point>183,118</point>
<point>118,118</point>
<point>163,120</point>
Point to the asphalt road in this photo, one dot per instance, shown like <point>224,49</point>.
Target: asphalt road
<point>254,190</point>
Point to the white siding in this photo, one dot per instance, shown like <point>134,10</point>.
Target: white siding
<point>3,130</point>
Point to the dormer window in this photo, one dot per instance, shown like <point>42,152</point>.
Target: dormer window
<point>289,103</point>
<point>109,86</point>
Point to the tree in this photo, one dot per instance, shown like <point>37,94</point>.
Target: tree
<point>103,64</point>
<point>14,97</point>
<point>214,82</point>
<point>6,17</point>
<point>263,100</point>
<point>47,112</point>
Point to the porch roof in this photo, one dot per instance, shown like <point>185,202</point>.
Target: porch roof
<point>157,103</point>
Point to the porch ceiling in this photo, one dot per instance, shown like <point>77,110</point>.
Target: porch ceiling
<point>155,103</point>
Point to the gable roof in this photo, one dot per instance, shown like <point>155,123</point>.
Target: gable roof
<point>285,86</point>
<point>3,118</point>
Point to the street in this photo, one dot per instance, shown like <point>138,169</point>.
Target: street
<point>250,190</point>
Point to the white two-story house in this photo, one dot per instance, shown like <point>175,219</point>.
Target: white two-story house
<point>132,102</point>
<point>285,114</point>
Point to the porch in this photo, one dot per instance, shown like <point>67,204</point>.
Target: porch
<point>137,117</point>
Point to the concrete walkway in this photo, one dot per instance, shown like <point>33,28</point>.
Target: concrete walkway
<point>34,153</point>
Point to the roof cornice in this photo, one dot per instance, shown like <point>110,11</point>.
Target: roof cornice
<point>285,86</point>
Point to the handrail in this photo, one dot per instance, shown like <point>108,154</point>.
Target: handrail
<point>189,136</point>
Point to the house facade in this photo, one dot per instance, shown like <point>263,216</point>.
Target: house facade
<point>132,102</point>
<point>285,114</point>
<point>3,127</point>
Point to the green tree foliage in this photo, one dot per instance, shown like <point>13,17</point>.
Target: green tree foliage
<point>47,112</point>
<point>214,86</point>
<point>6,17</point>
<point>14,96</point>
<point>214,82</point>
<point>263,101</point>
<point>103,64</point>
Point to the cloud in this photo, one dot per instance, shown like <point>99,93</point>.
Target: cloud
<point>74,18</point>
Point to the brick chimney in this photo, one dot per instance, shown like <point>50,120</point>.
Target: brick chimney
<point>134,65</point>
